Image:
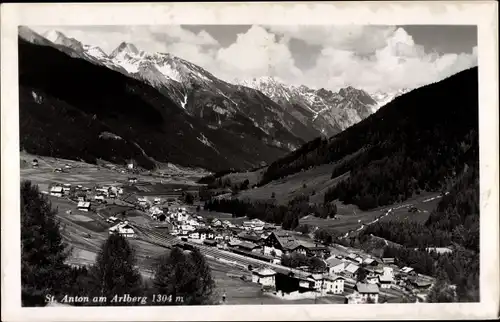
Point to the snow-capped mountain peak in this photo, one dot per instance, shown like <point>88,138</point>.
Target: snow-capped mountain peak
<point>53,35</point>
<point>95,52</point>
<point>384,97</point>
<point>59,38</point>
<point>125,49</point>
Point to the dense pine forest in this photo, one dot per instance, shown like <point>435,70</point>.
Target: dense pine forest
<point>454,223</point>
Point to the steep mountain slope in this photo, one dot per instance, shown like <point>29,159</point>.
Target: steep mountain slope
<point>419,141</point>
<point>66,103</point>
<point>216,102</point>
<point>327,111</point>
<point>201,94</point>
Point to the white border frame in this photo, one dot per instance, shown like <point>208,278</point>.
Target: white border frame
<point>484,14</point>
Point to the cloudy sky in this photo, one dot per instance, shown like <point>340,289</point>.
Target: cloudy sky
<point>374,58</point>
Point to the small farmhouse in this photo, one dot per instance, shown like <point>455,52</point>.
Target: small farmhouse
<point>333,284</point>
<point>123,229</point>
<point>56,191</point>
<point>264,277</point>
<point>205,234</point>
<point>83,206</point>
<point>335,265</point>
<point>388,260</point>
<point>99,198</point>
<point>367,292</point>
<point>351,270</point>
<point>385,281</point>
<point>247,246</point>
<point>406,270</point>
<point>216,223</point>
<point>370,262</point>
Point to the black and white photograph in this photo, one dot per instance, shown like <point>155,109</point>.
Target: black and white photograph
<point>251,164</point>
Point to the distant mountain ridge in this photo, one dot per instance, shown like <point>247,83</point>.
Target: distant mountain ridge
<point>421,141</point>
<point>68,99</point>
<point>247,113</point>
<point>330,112</point>
<point>304,112</point>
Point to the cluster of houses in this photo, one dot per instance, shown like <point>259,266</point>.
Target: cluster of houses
<point>378,274</point>
<point>286,282</point>
<point>107,192</point>
<point>84,195</point>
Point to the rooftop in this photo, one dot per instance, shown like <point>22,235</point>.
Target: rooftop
<point>264,271</point>
<point>385,279</point>
<point>367,288</point>
<point>83,204</point>
<point>247,245</point>
<point>333,261</point>
<point>332,277</point>
<point>352,268</point>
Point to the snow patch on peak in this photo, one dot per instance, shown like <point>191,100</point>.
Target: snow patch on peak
<point>95,52</point>
<point>383,98</point>
<point>170,72</point>
<point>53,35</point>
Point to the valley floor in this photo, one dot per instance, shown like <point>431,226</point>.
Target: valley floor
<point>86,231</point>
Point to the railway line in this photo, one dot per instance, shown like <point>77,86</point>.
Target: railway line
<point>150,235</point>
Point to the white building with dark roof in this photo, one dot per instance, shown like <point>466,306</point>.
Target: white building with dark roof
<point>385,281</point>
<point>333,284</point>
<point>364,293</point>
<point>56,191</point>
<point>123,229</point>
<point>83,206</point>
<point>335,265</point>
<point>264,277</point>
<point>351,270</point>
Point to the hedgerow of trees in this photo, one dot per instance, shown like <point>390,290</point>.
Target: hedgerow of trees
<point>286,215</point>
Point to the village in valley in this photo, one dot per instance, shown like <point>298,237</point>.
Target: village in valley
<point>162,210</point>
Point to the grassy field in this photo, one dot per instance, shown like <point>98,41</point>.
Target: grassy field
<point>351,218</point>
<point>253,177</point>
<point>88,174</point>
<point>313,182</point>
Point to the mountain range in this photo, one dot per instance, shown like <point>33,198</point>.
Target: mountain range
<point>264,118</point>
<point>421,141</point>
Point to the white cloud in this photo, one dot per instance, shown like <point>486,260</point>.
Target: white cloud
<point>369,57</point>
<point>362,39</point>
<point>258,53</point>
<point>400,63</point>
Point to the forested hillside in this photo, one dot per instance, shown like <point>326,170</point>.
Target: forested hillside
<point>419,141</point>
<point>454,223</point>
<point>66,104</point>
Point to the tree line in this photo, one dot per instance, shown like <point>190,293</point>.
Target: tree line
<point>415,143</point>
<point>177,274</point>
<point>287,216</point>
<point>455,223</point>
